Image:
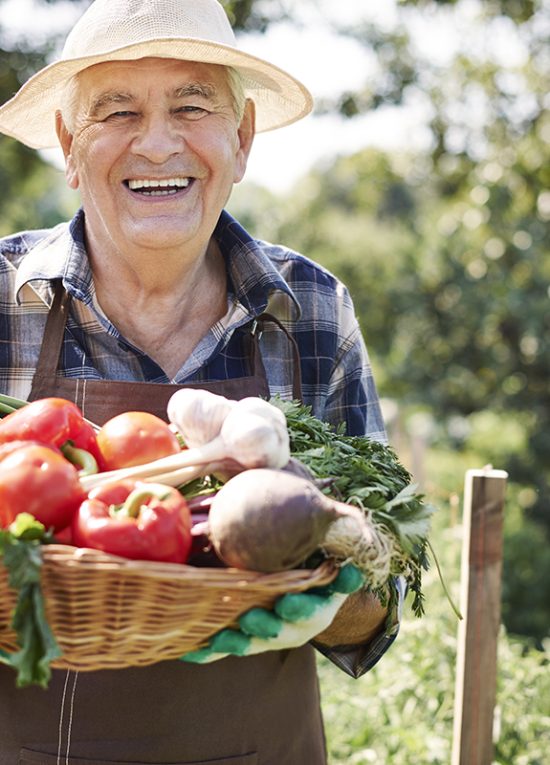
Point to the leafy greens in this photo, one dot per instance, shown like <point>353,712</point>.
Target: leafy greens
<point>363,472</point>
<point>21,554</point>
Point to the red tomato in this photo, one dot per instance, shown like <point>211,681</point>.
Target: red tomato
<point>134,438</point>
<point>64,536</point>
<point>37,480</point>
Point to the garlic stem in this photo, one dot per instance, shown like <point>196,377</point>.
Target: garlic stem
<point>178,477</point>
<point>247,439</point>
<point>157,467</point>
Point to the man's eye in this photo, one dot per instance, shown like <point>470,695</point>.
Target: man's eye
<point>119,115</point>
<point>191,111</point>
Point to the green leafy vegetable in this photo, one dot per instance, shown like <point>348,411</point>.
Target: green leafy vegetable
<point>368,474</point>
<point>21,553</point>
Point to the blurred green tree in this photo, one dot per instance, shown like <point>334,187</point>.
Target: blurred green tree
<point>472,326</point>
<point>446,250</point>
<point>33,191</point>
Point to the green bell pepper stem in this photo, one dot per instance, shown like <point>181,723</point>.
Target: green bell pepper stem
<point>136,498</point>
<point>83,460</point>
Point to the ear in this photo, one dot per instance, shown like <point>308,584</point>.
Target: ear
<point>65,139</point>
<point>245,133</point>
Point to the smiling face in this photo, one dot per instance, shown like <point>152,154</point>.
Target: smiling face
<point>154,148</point>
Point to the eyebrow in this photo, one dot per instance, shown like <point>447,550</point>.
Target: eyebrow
<point>106,99</point>
<point>193,89</point>
<point>201,89</point>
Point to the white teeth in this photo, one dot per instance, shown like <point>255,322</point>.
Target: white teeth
<point>136,184</point>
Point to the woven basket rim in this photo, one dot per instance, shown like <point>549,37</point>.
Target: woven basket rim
<point>88,558</point>
<point>102,631</point>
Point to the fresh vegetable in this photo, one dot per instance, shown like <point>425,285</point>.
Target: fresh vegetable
<point>360,471</point>
<point>247,439</point>
<point>9,404</point>
<point>12,446</point>
<point>64,536</point>
<point>83,460</point>
<point>20,553</point>
<point>264,520</point>
<point>135,438</point>
<point>54,421</point>
<point>269,520</point>
<point>198,414</point>
<point>135,520</point>
<point>82,444</point>
<point>252,434</point>
<point>38,480</point>
<point>48,420</point>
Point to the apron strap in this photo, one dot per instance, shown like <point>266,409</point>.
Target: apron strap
<point>50,350</point>
<point>296,368</point>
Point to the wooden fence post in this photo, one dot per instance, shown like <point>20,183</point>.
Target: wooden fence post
<point>480,598</point>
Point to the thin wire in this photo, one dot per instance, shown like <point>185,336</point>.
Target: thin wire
<point>70,725</point>
<point>61,713</point>
<point>70,721</point>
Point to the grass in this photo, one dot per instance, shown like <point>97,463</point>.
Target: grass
<point>401,712</point>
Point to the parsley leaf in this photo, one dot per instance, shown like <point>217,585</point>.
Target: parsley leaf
<point>362,472</point>
<point>21,554</point>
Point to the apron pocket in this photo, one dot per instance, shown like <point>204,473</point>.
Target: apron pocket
<point>32,757</point>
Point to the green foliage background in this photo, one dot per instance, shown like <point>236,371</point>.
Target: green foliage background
<point>446,255</point>
<point>402,711</point>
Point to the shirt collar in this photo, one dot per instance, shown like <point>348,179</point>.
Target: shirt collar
<point>59,255</point>
<point>252,277</point>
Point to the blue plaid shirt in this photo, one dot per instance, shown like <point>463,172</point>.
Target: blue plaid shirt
<point>310,302</point>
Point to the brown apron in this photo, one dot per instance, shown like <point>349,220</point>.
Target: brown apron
<point>260,710</point>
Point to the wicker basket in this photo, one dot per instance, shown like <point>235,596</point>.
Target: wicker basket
<point>108,612</point>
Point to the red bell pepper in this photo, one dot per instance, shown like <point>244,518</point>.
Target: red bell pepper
<point>49,420</point>
<point>64,536</point>
<point>54,421</point>
<point>11,446</point>
<point>141,521</point>
<point>84,438</point>
<point>37,479</point>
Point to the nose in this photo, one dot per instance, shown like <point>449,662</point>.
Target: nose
<point>157,139</point>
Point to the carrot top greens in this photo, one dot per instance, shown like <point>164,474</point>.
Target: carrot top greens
<point>363,472</point>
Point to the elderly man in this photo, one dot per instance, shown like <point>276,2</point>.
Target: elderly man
<point>153,286</point>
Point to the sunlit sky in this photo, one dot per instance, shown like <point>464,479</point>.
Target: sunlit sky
<point>326,64</point>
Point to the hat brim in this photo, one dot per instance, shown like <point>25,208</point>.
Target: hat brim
<point>280,99</point>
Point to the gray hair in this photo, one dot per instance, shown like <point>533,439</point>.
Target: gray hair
<point>236,87</point>
<point>69,100</point>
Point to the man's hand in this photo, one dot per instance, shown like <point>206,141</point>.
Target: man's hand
<point>360,619</point>
<point>296,618</point>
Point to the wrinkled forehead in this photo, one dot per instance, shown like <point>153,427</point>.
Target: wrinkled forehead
<point>165,72</point>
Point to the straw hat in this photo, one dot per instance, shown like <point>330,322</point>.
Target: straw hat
<point>124,30</point>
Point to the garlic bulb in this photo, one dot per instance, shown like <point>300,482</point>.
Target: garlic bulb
<point>251,435</point>
<point>254,441</point>
<point>198,414</point>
